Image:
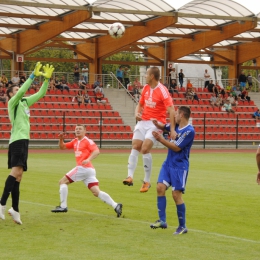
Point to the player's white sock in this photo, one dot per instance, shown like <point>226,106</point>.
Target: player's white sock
<point>147,161</point>
<point>63,195</point>
<point>107,199</point>
<point>132,162</point>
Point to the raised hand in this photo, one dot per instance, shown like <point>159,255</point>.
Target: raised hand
<point>37,68</point>
<point>48,70</point>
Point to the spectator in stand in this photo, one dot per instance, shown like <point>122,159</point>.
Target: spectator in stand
<point>4,80</point>
<point>235,90</point>
<point>181,78</point>
<point>87,99</point>
<point>126,76</point>
<point>256,114</point>
<point>64,84</point>
<point>211,86</point>
<point>213,100</point>
<point>206,79</point>
<point>189,94</point>
<point>51,84</point>
<point>76,73</point>
<point>36,84</point>
<point>137,83</point>
<point>244,96</point>
<point>22,78</point>
<point>97,83</point>
<point>173,75</point>
<point>3,96</point>
<point>249,80</point>
<point>173,87</point>
<point>57,83</point>
<point>120,74</point>
<point>16,79</point>
<point>79,97</point>
<point>219,101</point>
<point>100,97</point>
<point>84,72</point>
<point>228,88</point>
<point>189,86</point>
<point>232,100</point>
<point>136,93</point>
<point>100,89</point>
<point>227,107</point>
<point>82,83</point>
<point>242,80</point>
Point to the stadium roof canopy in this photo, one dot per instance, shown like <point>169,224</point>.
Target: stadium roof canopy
<point>33,23</point>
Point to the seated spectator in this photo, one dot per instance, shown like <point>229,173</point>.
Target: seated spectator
<point>228,88</point>
<point>4,80</point>
<point>219,101</point>
<point>189,85</point>
<point>211,86</point>
<point>64,84</point>
<point>137,83</point>
<point>227,107</point>
<point>244,96</point>
<point>97,83</point>
<point>256,114</point>
<point>213,100</point>
<point>16,79</point>
<point>191,94</point>
<point>35,84</point>
<point>22,78</point>
<point>51,84</point>
<point>173,87</point>
<point>82,83</point>
<point>218,90</point>
<point>100,89</point>
<point>3,96</point>
<point>136,93</point>
<point>236,90</point>
<point>100,97</point>
<point>57,83</point>
<point>87,99</point>
<point>80,97</point>
<point>232,100</point>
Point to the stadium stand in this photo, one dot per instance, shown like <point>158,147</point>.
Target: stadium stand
<point>209,123</point>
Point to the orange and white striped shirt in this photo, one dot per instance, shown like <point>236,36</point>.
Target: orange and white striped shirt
<point>83,148</point>
<point>155,102</point>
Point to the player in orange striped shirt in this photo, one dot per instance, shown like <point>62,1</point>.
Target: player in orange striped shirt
<point>154,103</point>
<point>85,151</point>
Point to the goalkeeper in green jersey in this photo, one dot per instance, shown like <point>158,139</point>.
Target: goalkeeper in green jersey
<point>19,115</point>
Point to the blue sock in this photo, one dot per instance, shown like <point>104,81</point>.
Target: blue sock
<point>181,210</point>
<point>161,205</point>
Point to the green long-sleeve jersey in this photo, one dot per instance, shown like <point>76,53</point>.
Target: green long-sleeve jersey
<point>19,112</point>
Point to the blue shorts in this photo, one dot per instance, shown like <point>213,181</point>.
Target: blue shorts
<point>242,84</point>
<point>175,177</point>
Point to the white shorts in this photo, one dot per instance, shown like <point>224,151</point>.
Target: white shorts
<point>143,130</point>
<point>79,173</point>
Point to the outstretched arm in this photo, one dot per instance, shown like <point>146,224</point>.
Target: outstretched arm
<point>61,141</point>
<point>48,70</point>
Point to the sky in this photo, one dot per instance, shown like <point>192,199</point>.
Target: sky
<point>252,5</point>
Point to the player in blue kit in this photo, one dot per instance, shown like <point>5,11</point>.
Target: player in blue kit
<point>174,171</point>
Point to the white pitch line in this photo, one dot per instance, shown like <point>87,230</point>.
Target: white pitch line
<point>147,223</point>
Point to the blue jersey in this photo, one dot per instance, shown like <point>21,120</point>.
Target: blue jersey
<point>184,140</point>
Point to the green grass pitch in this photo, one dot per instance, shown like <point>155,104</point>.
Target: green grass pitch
<point>222,201</point>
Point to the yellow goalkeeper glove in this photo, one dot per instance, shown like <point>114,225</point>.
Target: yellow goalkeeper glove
<point>47,71</point>
<point>36,71</point>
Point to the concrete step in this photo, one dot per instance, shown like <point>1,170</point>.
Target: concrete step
<point>123,103</point>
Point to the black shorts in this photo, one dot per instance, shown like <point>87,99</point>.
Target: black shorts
<point>18,154</point>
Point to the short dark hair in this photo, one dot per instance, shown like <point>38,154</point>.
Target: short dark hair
<point>10,90</point>
<point>185,110</point>
<point>156,72</point>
